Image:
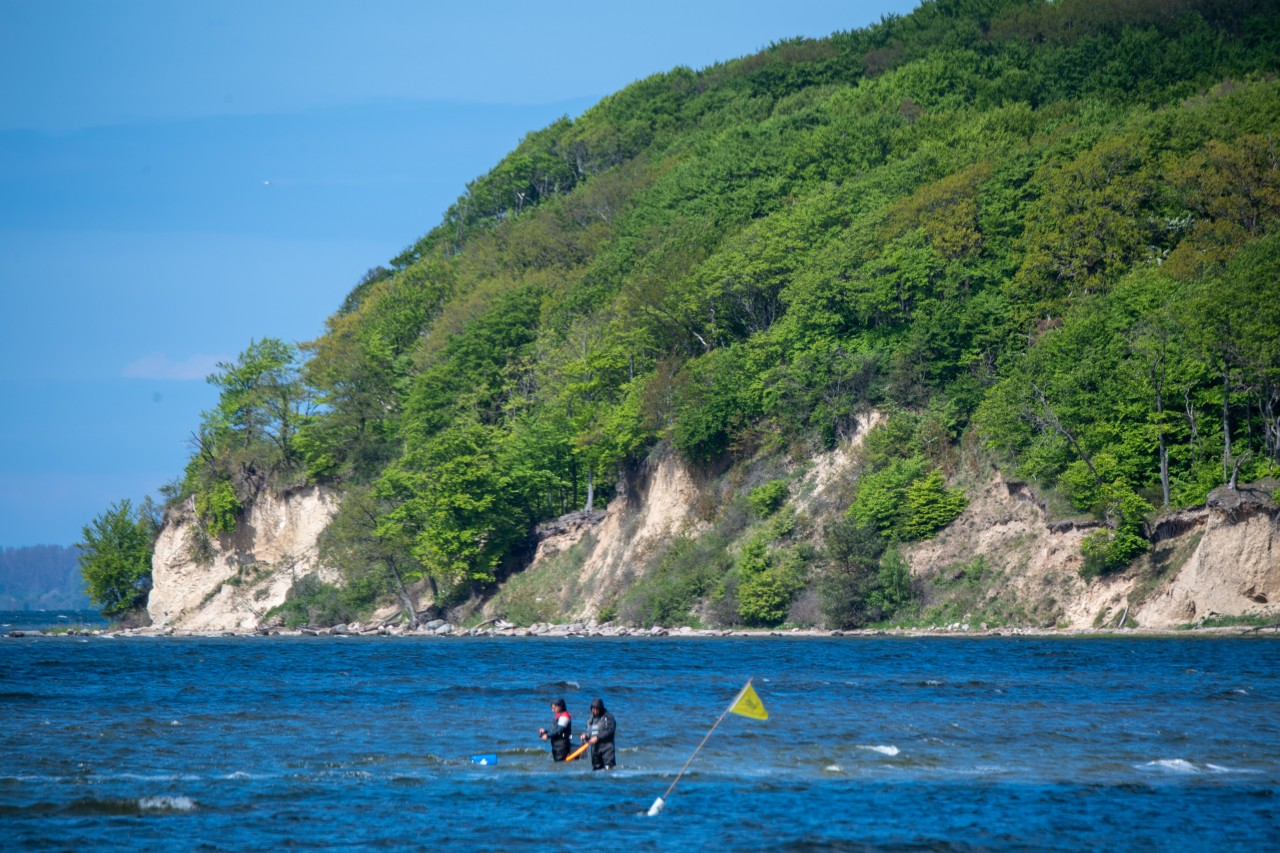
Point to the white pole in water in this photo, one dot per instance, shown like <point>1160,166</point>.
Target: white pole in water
<point>661,801</point>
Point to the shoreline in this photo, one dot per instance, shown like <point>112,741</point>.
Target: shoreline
<point>446,631</point>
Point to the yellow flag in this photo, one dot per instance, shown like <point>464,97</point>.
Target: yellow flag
<point>748,704</point>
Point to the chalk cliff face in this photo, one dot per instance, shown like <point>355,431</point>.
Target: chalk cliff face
<point>656,506</point>
<point>660,502</point>
<point>251,569</point>
<point>1234,568</point>
<point>1222,559</point>
<point>1219,560</point>
<point>1033,568</point>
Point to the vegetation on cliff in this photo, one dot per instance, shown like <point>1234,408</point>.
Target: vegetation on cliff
<point>1050,226</point>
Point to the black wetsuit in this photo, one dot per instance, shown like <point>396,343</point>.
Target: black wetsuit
<point>602,728</point>
<point>558,736</point>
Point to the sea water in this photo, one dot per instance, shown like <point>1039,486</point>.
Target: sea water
<point>51,620</point>
<point>872,743</point>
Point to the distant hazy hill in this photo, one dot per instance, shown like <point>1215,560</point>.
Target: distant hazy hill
<point>41,577</point>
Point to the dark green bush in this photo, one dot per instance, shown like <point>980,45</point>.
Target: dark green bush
<point>1109,551</point>
<point>906,500</point>
<point>313,602</point>
<point>768,581</point>
<point>853,554</point>
<point>931,506</point>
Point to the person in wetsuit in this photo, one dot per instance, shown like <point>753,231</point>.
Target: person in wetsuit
<point>561,731</point>
<point>600,731</point>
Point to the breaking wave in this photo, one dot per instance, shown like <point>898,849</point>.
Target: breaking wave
<point>1181,765</point>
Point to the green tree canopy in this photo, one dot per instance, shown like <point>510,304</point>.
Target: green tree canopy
<point>115,557</point>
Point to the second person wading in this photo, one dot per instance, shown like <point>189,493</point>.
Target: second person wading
<point>600,731</point>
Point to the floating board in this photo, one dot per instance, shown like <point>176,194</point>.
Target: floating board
<point>484,759</point>
<point>577,752</point>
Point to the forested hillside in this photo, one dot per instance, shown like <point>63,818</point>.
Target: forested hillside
<point>1043,231</point>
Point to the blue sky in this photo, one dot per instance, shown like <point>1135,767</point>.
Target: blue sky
<point>177,179</point>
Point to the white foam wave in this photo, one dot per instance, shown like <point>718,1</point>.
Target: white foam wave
<point>833,768</point>
<point>883,750</point>
<point>166,804</point>
<point>1173,765</point>
<point>1218,768</point>
<point>990,768</point>
<point>155,777</point>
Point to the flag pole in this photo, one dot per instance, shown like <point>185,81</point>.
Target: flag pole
<point>662,801</point>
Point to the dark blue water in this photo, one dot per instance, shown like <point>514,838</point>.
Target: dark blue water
<point>46,620</point>
<point>872,743</point>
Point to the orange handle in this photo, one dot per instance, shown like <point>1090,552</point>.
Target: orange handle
<point>577,752</point>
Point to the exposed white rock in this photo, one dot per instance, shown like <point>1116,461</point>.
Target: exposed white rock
<point>252,569</point>
<point>1234,570</point>
<point>1005,526</point>
<point>656,507</point>
<point>561,534</point>
<point>1227,563</point>
<point>830,469</point>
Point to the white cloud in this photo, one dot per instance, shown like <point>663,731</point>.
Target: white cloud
<point>158,366</point>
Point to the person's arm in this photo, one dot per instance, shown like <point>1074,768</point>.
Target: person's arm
<point>556,728</point>
<point>562,723</point>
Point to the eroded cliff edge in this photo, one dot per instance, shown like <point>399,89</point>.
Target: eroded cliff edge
<point>1222,559</point>
<point>245,573</point>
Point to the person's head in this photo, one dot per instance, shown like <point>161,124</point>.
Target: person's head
<point>557,706</point>
<point>597,707</point>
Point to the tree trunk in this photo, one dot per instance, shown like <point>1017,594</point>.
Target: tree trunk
<point>1226,421</point>
<point>1164,447</point>
<point>1193,439</point>
<point>403,594</point>
<point>591,489</point>
<point>1164,471</point>
<point>1270,425</point>
<point>1050,420</point>
<point>1235,469</point>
